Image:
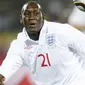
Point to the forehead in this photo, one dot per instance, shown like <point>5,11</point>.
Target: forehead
<point>32,5</point>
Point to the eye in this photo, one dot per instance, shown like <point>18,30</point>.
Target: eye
<point>37,13</point>
<point>26,13</point>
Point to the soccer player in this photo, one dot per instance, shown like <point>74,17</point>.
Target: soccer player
<point>53,52</point>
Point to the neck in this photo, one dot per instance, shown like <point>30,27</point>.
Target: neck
<point>34,36</point>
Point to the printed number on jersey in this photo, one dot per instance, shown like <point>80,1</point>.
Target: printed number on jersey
<point>45,58</point>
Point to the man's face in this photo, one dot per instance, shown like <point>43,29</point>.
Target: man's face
<point>32,18</point>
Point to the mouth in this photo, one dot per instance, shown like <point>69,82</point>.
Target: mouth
<point>32,24</point>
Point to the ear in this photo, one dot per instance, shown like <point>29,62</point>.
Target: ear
<point>21,19</point>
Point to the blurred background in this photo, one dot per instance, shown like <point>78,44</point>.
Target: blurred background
<point>55,10</point>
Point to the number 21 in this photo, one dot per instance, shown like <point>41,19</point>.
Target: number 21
<point>45,58</point>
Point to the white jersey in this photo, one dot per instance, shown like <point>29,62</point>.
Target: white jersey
<point>57,58</point>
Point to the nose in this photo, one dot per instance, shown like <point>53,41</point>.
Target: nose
<point>31,15</point>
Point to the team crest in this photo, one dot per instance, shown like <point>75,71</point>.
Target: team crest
<point>51,40</point>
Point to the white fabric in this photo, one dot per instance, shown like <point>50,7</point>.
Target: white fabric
<point>57,58</point>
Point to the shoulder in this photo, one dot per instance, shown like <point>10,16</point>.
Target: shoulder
<point>53,24</point>
<point>63,29</point>
<point>58,27</point>
<point>16,46</point>
<point>15,43</point>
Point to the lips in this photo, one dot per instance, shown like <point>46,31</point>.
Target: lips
<point>32,24</point>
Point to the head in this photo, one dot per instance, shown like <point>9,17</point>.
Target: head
<point>32,17</point>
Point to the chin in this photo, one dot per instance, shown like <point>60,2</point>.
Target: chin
<point>33,31</point>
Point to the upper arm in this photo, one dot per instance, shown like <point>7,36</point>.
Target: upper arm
<point>12,62</point>
<point>77,42</point>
